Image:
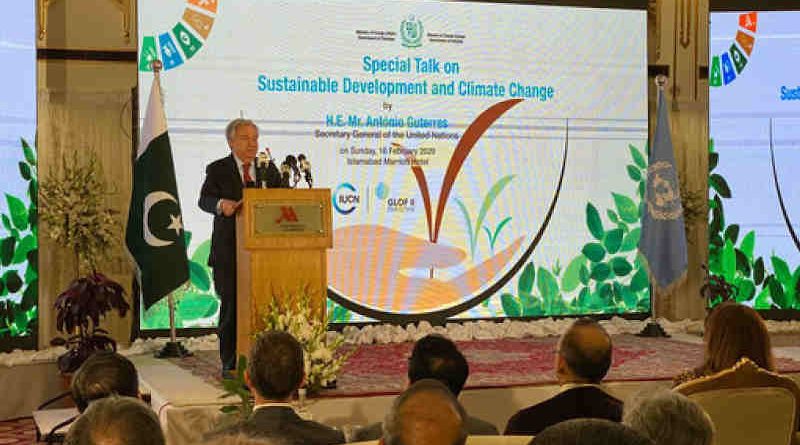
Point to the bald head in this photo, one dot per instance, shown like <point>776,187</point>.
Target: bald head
<point>426,413</point>
<point>584,352</point>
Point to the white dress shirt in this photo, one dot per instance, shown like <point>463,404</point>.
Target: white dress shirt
<point>240,167</point>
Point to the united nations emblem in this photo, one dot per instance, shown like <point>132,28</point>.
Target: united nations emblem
<point>663,192</point>
<point>411,32</point>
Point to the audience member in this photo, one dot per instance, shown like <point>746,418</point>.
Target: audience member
<point>241,439</point>
<point>427,413</point>
<point>436,357</point>
<point>669,418</point>
<point>582,361</point>
<point>732,331</point>
<point>274,373</point>
<point>116,420</point>
<point>590,432</point>
<point>104,373</point>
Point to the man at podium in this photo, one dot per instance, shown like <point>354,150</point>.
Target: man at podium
<point>221,196</point>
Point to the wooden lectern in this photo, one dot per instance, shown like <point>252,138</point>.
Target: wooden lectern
<point>282,237</point>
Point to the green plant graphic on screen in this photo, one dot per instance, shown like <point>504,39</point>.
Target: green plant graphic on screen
<point>608,275</point>
<point>19,247</point>
<point>488,200</point>
<point>338,313</point>
<point>764,283</point>
<point>196,304</point>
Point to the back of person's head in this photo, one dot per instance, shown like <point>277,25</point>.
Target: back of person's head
<point>104,373</point>
<point>586,350</point>
<point>589,432</point>
<point>275,369</point>
<point>425,413</point>
<point>242,439</point>
<point>116,420</point>
<point>734,331</point>
<point>669,418</point>
<point>436,357</point>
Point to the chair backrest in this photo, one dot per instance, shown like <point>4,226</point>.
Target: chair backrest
<point>745,375</point>
<point>765,415</point>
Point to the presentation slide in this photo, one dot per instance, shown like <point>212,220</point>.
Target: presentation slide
<point>755,156</point>
<point>485,160</point>
<point>18,240</point>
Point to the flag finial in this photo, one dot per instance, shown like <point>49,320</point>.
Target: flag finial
<point>156,65</point>
<point>661,81</point>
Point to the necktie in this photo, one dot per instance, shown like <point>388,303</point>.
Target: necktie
<point>246,173</point>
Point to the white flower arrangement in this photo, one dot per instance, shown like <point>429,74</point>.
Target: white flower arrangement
<point>73,206</point>
<point>321,354</point>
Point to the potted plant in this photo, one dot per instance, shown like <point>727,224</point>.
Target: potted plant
<point>76,216</point>
<point>78,313</point>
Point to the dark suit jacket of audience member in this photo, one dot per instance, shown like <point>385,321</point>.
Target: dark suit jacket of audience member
<point>283,424</point>
<point>573,403</point>
<point>475,427</point>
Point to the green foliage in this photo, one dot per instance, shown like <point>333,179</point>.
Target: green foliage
<point>235,385</point>
<point>474,230</point>
<point>606,276</point>
<point>19,252</point>
<point>338,313</point>
<point>594,222</point>
<point>492,235</point>
<point>733,257</point>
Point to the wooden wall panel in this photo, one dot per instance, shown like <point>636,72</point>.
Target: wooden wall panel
<point>678,38</point>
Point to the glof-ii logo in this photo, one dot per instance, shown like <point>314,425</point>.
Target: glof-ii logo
<point>411,32</point>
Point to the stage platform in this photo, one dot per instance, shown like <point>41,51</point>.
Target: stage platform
<point>506,376</point>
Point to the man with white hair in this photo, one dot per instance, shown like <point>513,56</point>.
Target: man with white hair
<point>425,413</point>
<point>670,418</point>
<point>116,420</point>
<point>221,196</point>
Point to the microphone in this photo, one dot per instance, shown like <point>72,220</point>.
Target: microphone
<point>286,171</point>
<point>262,160</point>
<point>292,162</point>
<point>305,167</point>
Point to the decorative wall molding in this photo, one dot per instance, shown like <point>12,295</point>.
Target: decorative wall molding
<point>43,7</point>
<point>654,23</point>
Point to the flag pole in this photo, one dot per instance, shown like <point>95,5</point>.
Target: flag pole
<point>173,348</point>
<point>653,328</point>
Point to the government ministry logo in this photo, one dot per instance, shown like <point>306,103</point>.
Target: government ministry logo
<point>411,32</point>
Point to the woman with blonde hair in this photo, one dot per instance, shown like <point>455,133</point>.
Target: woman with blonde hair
<point>732,331</point>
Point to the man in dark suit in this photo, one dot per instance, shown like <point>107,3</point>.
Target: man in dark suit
<point>436,357</point>
<point>582,361</point>
<point>274,373</point>
<point>221,196</point>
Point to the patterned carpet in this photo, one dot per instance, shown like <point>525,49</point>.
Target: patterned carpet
<point>17,432</point>
<point>381,369</point>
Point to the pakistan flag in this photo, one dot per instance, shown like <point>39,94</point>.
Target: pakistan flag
<point>155,230</point>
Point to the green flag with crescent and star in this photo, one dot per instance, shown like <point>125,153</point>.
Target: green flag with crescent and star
<point>155,235</point>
